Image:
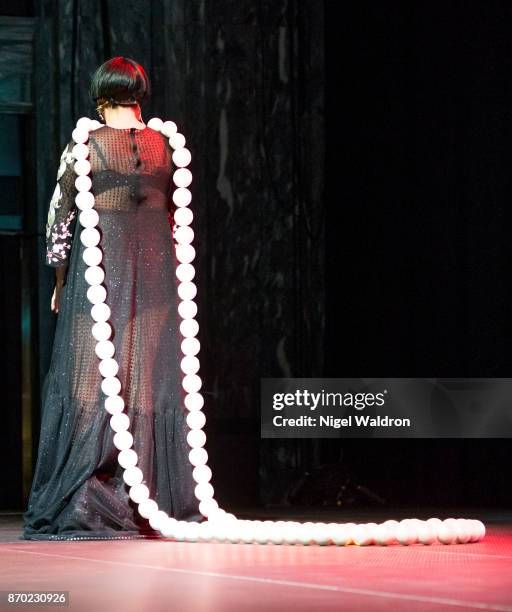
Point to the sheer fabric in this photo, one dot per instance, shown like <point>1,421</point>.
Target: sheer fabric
<point>78,490</point>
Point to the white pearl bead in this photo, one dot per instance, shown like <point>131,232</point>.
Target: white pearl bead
<point>183,216</point>
<point>190,346</point>
<point>184,234</point>
<point>84,183</point>
<point>123,440</point>
<point>92,256</point>
<point>80,135</point>
<point>104,348</point>
<point>196,438</point>
<point>128,458</point>
<point>177,141</point>
<point>120,422</point>
<point>185,272</point>
<point>182,196</point>
<point>168,128</point>
<point>193,401</point>
<point>89,218</point>
<point>187,309</point>
<point>90,237</point>
<point>185,253</point>
<point>84,200</point>
<point>94,275</point>
<point>96,294</point>
<point>181,177</point>
<point>155,124</point>
<point>100,312</point>
<point>80,151</point>
<point>203,490</point>
<point>181,157</point>
<point>139,493</point>
<point>112,384</point>
<point>187,290</point>
<point>84,123</point>
<point>202,473</point>
<point>198,456</point>
<point>102,331</point>
<point>114,404</point>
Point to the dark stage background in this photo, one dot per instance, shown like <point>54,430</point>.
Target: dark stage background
<point>351,196</point>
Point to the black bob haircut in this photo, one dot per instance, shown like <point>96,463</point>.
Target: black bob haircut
<point>120,80</point>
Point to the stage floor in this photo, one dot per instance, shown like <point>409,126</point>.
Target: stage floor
<point>158,575</point>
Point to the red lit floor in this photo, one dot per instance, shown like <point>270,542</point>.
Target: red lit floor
<point>213,577</point>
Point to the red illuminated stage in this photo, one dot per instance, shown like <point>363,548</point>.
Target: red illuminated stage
<point>190,576</point>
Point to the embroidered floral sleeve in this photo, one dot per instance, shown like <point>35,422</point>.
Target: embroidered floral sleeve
<point>62,212</point>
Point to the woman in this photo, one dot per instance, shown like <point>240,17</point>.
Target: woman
<point>78,491</point>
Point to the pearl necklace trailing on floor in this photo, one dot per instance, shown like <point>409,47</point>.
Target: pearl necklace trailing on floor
<point>220,525</point>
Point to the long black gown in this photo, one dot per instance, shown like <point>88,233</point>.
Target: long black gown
<point>78,490</point>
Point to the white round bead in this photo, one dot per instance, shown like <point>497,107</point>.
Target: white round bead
<point>187,309</point>
<point>168,128</point>
<point>114,403</point>
<point>139,493</point>
<point>100,312</point>
<point>84,183</point>
<point>183,216</point>
<point>133,475</point>
<point>120,422</point>
<point>191,383</point>
<point>80,151</point>
<point>198,456</point>
<point>123,440</point>
<point>181,157</point>
<point>193,402</point>
<point>102,331</point>
<point>185,272</point>
<point>80,135</point>
<point>182,177</point>
<point>196,438</point>
<point>104,348</point>
<point>82,167</point>
<point>182,196</point>
<point>128,458</point>
<point>202,473</point>
<point>203,490</point>
<point>155,124</point>
<point>189,328</point>
<point>196,419</point>
<point>96,294</point>
<point>89,217</point>
<point>108,367</point>
<point>112,384</point>
<point>184,234</point>
<point>190,346</point>
<point>187,290</point>
<point>94,275</point>
<point>92,256</point>
<point>177,140</point>
<point>84,123</point>
<point>84,200</point>
<point>90,237</point>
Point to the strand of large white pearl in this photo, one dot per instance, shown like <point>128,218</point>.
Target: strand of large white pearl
<point>221,525</point>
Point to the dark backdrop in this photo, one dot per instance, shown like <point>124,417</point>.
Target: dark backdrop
<point>419,152</point>
<point>410,278</point>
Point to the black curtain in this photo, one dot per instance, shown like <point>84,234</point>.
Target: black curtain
<point>244,83</point>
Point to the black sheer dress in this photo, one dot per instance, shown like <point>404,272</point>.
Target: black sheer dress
<point>78,490</point>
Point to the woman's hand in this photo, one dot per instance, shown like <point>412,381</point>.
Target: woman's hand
<point>61,274</point>
<point>55,302</point>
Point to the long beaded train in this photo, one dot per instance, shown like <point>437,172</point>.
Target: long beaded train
<point>220,525</point>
